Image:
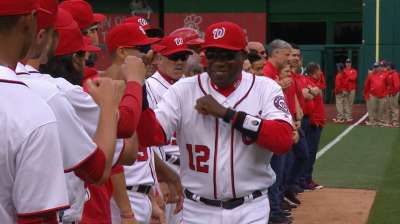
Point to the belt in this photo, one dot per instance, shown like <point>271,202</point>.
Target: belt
<point>144,189</point>
<point>173,159</point>
<point>228,204</point>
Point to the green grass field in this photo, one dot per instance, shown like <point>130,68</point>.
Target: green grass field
<point>367,158</point>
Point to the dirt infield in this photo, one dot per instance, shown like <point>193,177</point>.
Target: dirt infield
<point>334,206</point>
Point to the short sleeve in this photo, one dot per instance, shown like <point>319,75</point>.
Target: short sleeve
<point>168,112</point>
<point>274,105</point>
<point>86,109</point>
<point>76,144</point>
<point>39,179</point>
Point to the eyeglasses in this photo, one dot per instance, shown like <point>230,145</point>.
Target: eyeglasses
<point>183,56</point>
<point>224,55</point>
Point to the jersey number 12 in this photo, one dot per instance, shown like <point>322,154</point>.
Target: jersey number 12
<point>198,157</point>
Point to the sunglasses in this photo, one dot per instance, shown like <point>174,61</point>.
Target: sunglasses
<point>143,48</point>
<point>225,55</point>
<point>183,56</point>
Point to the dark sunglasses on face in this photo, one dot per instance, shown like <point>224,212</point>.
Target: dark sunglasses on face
<point>183,56</point>
<point>143,49</point>
<point>225,55</point>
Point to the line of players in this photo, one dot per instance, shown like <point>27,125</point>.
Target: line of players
<point>231,127</point>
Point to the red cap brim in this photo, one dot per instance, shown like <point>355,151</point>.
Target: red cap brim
<point>221,46</point>
<point>168,53</point>
<point>147,41</point>
<point>98,17</point>
<point>197,41</point>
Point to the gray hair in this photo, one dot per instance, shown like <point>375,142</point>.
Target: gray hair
<point>278,44</point>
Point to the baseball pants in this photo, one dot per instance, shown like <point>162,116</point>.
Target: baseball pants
<point>394,109</point>
<point>254,211</point>
<point>348,109</point>
<point>340,105</point>
<point>377,109</point>
<point>140,204</point>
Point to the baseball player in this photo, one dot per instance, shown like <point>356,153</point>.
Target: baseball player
<point>228,123</point>
<point>88,23</point>
<point>89,109</point>
<point>124,40</point>
<point>173,54</point>
<point>30,153</point>
<point>194,41</point>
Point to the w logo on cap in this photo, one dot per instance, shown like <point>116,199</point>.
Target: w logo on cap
<point>178,41</point>
<point>141,29</point>
<point>142,22</point>
<point>218,33</point>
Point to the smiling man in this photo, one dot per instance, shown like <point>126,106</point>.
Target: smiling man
<point>228,123</point>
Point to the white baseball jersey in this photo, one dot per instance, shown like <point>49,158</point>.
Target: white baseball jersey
<point>85,107</point>
<point>76,144</point>
<point>216,162</point>
<point>32,176</point>
<point>85,121</point>
<point>156,87</point>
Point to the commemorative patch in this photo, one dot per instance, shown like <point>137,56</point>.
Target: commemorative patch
<point>280,104</point>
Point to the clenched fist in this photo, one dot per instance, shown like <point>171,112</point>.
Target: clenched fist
<point>133,69</point>
<point>207,105</point>
<point>106,92</point>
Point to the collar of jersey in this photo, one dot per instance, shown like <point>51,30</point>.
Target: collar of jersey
<point>229,89</point>
<point>7,73</point>
<point>167,78</point>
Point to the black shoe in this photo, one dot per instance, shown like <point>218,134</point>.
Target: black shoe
<point>291,197</point>
<point>279,220</point>
<point>297,189</point>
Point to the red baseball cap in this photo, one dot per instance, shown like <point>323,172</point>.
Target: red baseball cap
<point>47,20</point>
<point>226,35</point>
<point>127,35</point>
<point>191,36</point>
<point>19,7</point>
<point>171,45</point>
<point>70,40</point>
<point>138,20</point>
<point>82,13</point>
<point>64,20</point>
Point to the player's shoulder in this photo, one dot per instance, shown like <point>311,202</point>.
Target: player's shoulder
<point>263,83</point>
<point>42,87</point>
<point>157,81</point>
<point>189,82</point>
<point>22,111</point>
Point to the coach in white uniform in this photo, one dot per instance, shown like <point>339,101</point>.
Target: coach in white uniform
<point>228,123</point>
<point>32,184</point>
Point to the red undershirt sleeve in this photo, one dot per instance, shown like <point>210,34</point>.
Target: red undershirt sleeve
<point>130,109</point>
<point>276,136</point>
<point>149,131</point>
<point>92,169</point>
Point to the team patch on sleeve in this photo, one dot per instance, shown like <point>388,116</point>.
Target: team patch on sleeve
<point>280,104</point>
